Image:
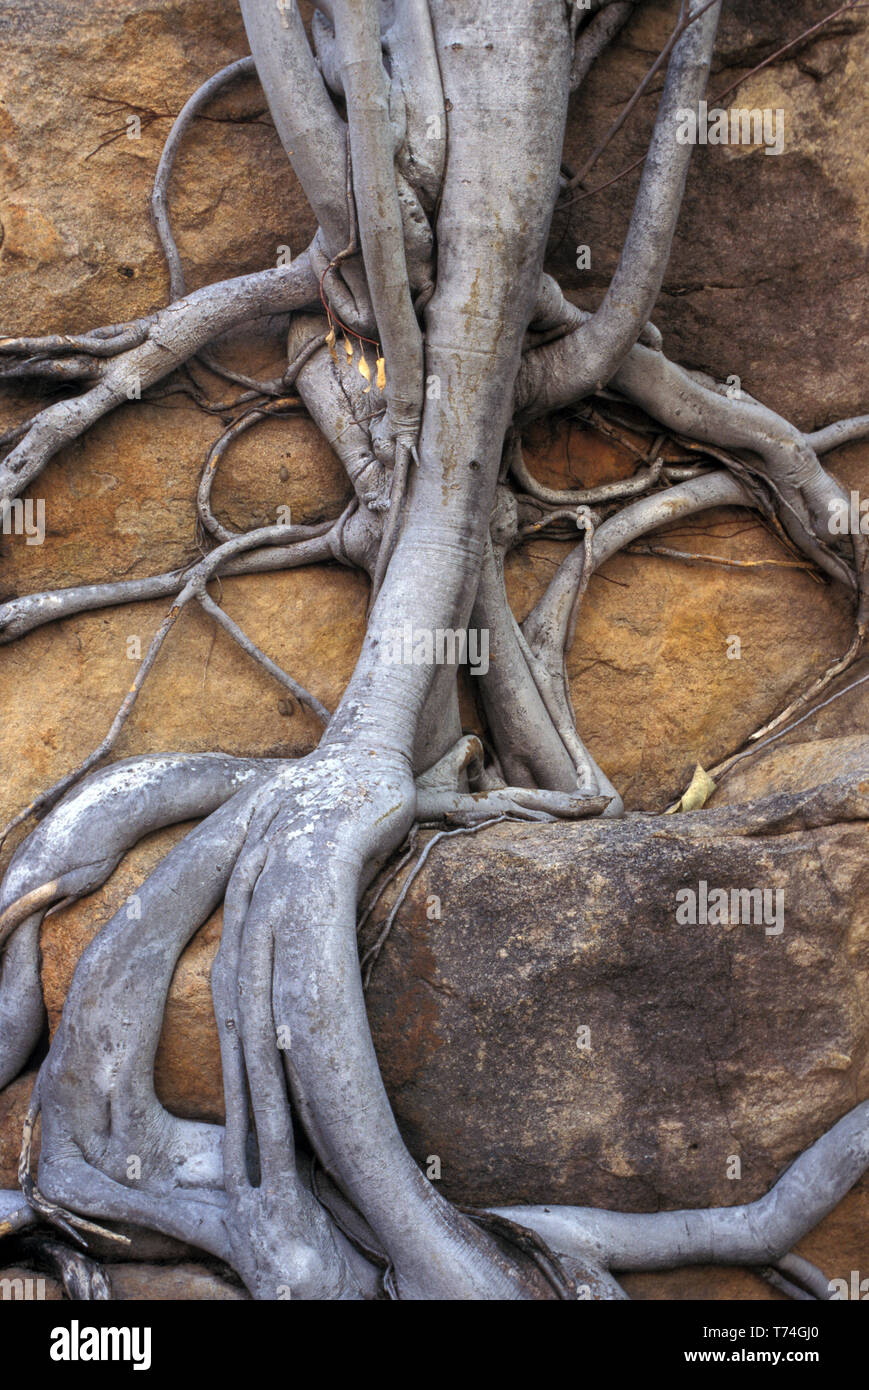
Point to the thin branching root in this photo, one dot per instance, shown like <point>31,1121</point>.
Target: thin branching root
<point>420,343</point>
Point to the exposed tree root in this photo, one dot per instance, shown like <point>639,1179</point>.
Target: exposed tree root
<point>172,336</point>
<point>762,1232</point>
<point>79,845</point>
<point>434,199</point>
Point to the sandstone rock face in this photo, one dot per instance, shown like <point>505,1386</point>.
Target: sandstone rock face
<point>718,1037</point>
<point>557,1032</point>
<point>539,1009</point>
<point>792,765</point>
<point>168,1283</point>
<point>78,167</point>
<point>134,1281</point>
<point>551,1031</point>
<point>61,686</point>
<point>652,683</point>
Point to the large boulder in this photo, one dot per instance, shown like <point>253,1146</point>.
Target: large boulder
<point>553,1026</point>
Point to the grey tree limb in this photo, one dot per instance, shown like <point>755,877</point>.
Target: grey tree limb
<point>357,27</point>
<point>611,332</point>
<point>78,846</point>
<point>311,131</point>
<point>174,335</point>
<point>757,1233</point>
<point>842,432</point>
<point>596,37</point>
<point>313,545</point>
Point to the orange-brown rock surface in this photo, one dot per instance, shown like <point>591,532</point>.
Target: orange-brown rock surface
<point>766,282</point>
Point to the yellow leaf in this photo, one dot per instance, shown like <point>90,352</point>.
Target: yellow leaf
<point>330,343</point>
<point>365,370</point>
<point>348,348</point>
<point>381,374</point>
<point>698,793</point>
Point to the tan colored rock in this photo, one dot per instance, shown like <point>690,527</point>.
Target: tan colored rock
<point>80,249</point>
<point>792,766</point>
<point>122,502</point>
<point>60,686</point>
<point>767,275</point>
<point>21,1285</point>
<point>653,686</point>
<point>171,1283</point>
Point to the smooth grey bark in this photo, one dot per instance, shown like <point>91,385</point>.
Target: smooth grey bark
<point>431,244</point>
<point>757,1233</point>
<point>310,129</point>
<point>173,335</point>
<point>610,333</point>
<point>79,845</point>
<point>597,35</point>
<point>357,28</point>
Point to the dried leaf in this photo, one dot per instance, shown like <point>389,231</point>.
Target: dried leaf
<point>365,370</point>
<point>348,349</point>
<point>698,793</point>
<point>330,343</point>
<point>381,374</point>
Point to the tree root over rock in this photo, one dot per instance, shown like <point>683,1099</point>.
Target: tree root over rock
<point>431,270</point>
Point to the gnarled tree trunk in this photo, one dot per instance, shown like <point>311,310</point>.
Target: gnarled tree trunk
<point>427,135</point>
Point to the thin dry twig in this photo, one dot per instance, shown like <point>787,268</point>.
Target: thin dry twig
<point>665,551</point>
<point>369,958</point>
